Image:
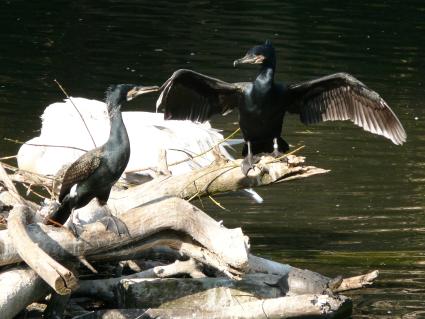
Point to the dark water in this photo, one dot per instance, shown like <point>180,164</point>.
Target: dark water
<point>367,213</point>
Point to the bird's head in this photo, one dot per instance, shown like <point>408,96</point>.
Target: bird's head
<point>263,54</point>
<point>117,94</point>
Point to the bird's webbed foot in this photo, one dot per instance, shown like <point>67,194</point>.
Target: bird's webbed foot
<point>115,225</point>
<point>248,163</point>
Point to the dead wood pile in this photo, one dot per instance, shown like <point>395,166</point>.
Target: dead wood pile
<point>176,261</point>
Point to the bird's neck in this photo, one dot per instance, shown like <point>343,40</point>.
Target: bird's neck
<point>265,79</point>
<point>118,133</point>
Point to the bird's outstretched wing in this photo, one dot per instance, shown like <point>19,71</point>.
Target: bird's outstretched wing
<point>81,169</point>
<point>340,96</point>
<point>188,95</point>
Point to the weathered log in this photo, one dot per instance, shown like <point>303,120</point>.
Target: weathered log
<point>266,266</point>
<point>220,177</point>
<point>294,282</point>
<point>54,274</point>
<point>228,245</point>
<point>303,306</point>
<point>19,287</point>
<point>201,293</point>
<point>357,282</point>
<point>4,177</point>
<point>104,288</point>
<point>213,179</point>
<point>154,224</point>
<point>170,245</point>
<point>306,281</point>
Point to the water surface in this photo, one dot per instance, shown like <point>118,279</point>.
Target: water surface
<point>367,213</point>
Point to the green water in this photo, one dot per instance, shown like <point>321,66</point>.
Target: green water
<point>367,213</point>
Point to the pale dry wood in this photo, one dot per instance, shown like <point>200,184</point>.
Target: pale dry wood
<point>12,196</point>
<point>201,293</point>
<point>357,282</point>
<point>19,287</point>
<point>168,244</point>
<point>303,306</point>
<point>229,246</point>
<point>221,176</point>
<point>4,177</point>
<point>307,281</point>
<point>54,274</point>
<point>217,178</point>
<point>266,266</point>
<point>104,288</point>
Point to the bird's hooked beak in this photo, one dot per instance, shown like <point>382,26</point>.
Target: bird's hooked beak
<point>139,90</point>
<point>250,58</point>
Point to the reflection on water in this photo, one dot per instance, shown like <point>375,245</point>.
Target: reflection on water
<point>367,213</point>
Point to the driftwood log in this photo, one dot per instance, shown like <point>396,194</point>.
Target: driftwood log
<point>226,280</point>
<point>218,178</point>
<point>19,287</point>
<point>54,274</point>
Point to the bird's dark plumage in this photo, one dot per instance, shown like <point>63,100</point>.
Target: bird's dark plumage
<point>80,170</point>
<point>340,96</point>
<point>95,172</point>
<point>196,97</point>
<point>263,103</point>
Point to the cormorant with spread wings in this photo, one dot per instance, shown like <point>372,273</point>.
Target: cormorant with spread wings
<point>263,103</point>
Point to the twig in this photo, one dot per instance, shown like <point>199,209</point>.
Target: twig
<point>210,149</point>
<point>10,186</point>
<point>290,153</point>
<point>218,204</point>
<point>41,177</point>
<point>15,169</point>
<point>82,118</point>
<point>230,166</point>
<point>30,190</point>
<point>190,158</point>
<point>44,145</point>
<point>357,282</point>
<point>8,157</point>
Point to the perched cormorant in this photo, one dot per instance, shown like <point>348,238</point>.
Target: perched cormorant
<point>263,103</point>
<point>95,172</point>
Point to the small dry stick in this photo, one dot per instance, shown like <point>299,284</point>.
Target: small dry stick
<point>30,190</point>
<point>210,149</point>
<point>82,118</point>
<point>8,157</point>
<point>218,203</point>
<point>291,152</point>
<point>190,158</point>
<point>44,145</point>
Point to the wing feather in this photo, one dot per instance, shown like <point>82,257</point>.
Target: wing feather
<point>340,96</point>
<point>196,97</point>
<point>81,169</point>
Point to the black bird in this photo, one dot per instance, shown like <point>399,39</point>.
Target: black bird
<point>95,172</point>
<point>263,103</point>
